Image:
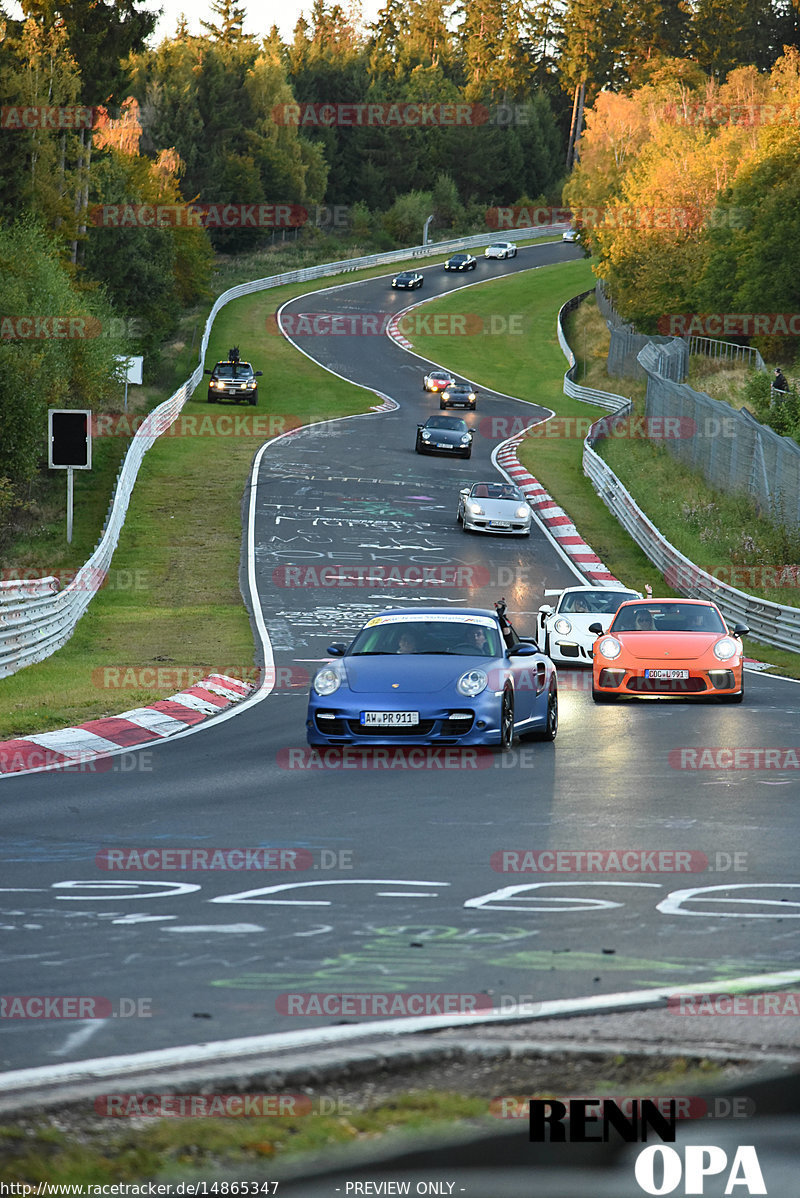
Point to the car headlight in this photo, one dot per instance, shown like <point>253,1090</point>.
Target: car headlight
<point>725,649</point>
<point>472,683</point>
<point>610,647</point>
<point>522,512</point>
<point>445,395</point>
<point>251,383</point>
<point>562,626</point>
<point>426,435</point>
<point>327,680</point>
<point>465,440</point>
<point>476,509</point>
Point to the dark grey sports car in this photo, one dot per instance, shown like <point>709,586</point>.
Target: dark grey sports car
<point>458,395</point>
<point>461,262</point>
<point>407,280</point>
<point>444,434</point>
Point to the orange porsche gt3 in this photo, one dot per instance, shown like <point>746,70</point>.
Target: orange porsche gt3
<point>668,647</point>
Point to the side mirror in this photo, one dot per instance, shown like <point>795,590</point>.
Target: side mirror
<point>208,372</point>
<point>336,650</point>
<point>464,491</point>
<point>596,628</point>
<point>545,610</point>
<point>740,629</point>
<point>523,650</point>
<point>259,373</point>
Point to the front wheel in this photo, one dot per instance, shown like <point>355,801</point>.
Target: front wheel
<point>603,696</point>
<point>506,721</point>
<point>468,454</point>
<point>550,730</point>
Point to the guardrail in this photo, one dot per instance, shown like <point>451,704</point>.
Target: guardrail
<point>771,623</point>
<point>604,399</point>
<point>32,626</point>
<point>727,351</point>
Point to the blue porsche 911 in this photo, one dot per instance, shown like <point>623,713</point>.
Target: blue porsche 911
<point>434,676</point>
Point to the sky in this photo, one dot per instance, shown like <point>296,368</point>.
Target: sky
<point>261,14</point>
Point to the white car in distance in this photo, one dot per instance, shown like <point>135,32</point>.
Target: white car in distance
<point>500,249</point>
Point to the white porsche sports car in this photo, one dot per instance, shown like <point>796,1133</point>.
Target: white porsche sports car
<point>562,630</point>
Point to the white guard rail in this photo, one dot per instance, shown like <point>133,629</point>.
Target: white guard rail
<point>771,623</point>
<point>36,616</point>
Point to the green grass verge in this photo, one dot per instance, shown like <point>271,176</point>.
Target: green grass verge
<point>708,527</point>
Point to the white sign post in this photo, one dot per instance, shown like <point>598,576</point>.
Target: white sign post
<point>129,369</point>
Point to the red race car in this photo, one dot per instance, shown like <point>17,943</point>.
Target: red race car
<point>437,380</point>
<point>668,648</point>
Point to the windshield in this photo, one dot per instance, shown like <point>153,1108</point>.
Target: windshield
<point>668,617</point>
<point>228,370</point>
<point>480,638</point>
<point>497,491</point>
<point>446,422</point>
<point>595,599</point>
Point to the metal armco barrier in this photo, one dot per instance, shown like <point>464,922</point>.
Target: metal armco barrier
<point>34,626</point>
<point>771,623</point>
<point>603,399</point>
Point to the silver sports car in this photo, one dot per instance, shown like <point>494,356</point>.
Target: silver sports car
<point>494,507</point>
